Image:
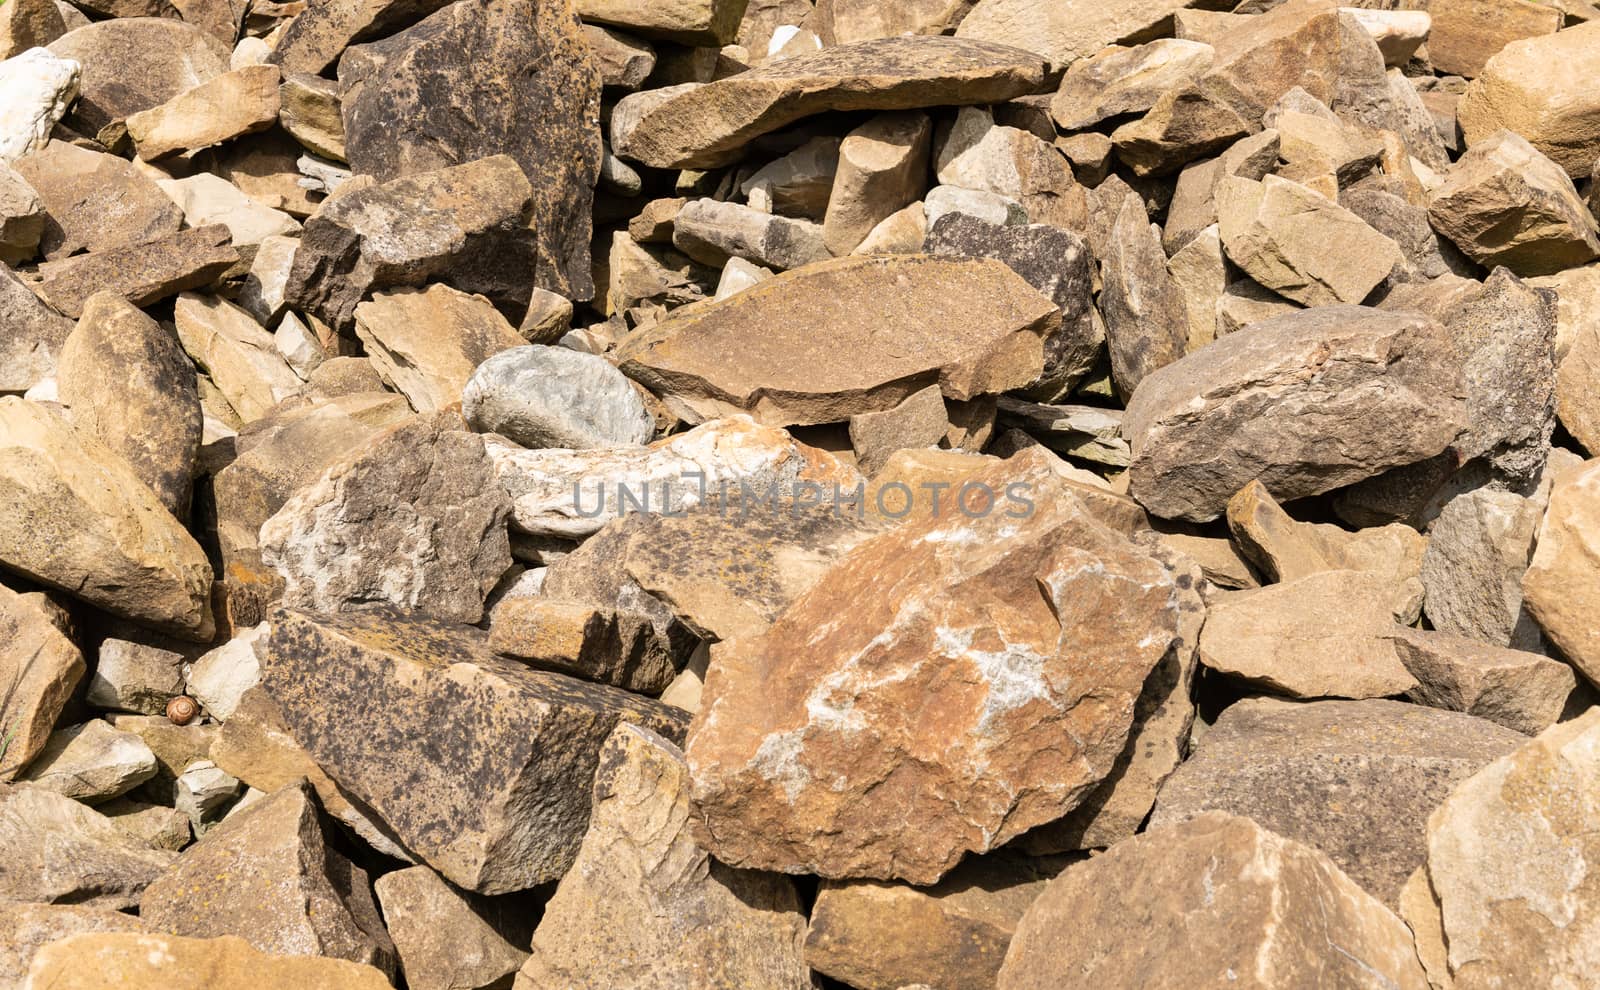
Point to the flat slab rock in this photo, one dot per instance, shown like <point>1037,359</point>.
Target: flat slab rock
<point>848,336</point>
<point>140,273</point>
<point>57,851</point>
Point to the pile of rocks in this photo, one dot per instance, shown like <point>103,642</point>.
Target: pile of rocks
<point>768,494</point>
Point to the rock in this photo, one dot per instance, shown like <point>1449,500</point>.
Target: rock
<point>711,232</point>
<point>548,320</point>
<point>208,199</point>
<point>976,153</point>
<point>414,521</point>
<point>920,421</point>
<point>140,273</point>
<point>1399,33</point>
<point>135,676</point>
<point>520,72</point>
<point>883,167</point>
<point>426,343</point>
<point>1285,549</point>
<point>739,275</point>
<point>443,939</point>
<point>466,226</point>
<point>1087,433</point>
<point>1355,780</point>
<point>1559,585</point>
<point>84,522</point>
<point>1146,322</point>
<point>1063,34</point>
<point>1525,692</point>
<point>312,44</point>
<point>267,875</point>
<point>1313,142</point>
<point>26,24</point>
<point>711,23</point>
<point>1404,223</point>
<point>261,294</point>
<point>220,678</point>
<point>1320,636</point>
<point>624,61</point>
<point>644,902</point>
<point>986,206</point>
<point>1185,124</point>
<point>794,785</point>
<point>30,927</point>
<point>443,741</point>
<point>1299,244</point>
<point>552,397</point>
<point>1204,426</point>
<point>241,358</point>
<point>228,106</point>
<point>1508,856</point>
<point>132,64</point>
<point>22,218</point>
<point>1541,88</point>
<point>1478,551</point>
<point>39,87</point>
<point>130,961</point>
<point>1466,34</point>
<point>701,126</point>
<point>58,851</point>
<point>1219,898</point>
<point>130,386</point>
<point>1193,208</point>
<point>1505,203</point>
<point>1505,335</point>
<point>40,668</point>
<point>205,792</point>
<point>797,184</point>
<point>31,335</point>
<point>95,201</point>
<point>152,824</point>
<point>91,763</point>
<point>843,337</point>
<point>308,108</point>
<point>1126,80</point>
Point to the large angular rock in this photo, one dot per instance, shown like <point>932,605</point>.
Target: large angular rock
<point>1218,902</point>
<point>137,675</point>
<point>135,961</point>
<point>712,232</point>
<point>703,126</point>
<point>130,386</point>
<point>31,335</point>
<point>40,669</point>
<point>313,40</point>
<point>91,762</point>
<point>645,904</point>
<point>140,273</point>
<point>415,521</point>
<point>1285,549</point>
<point>240,357</point>
<point>1264,405</point>
<point>229,106</point>
<point>268,876</point>
<point>30,927</point>
<point>57,851</point>
<point>883,168</point>
<point>479,766</point>
<point>976,153</point>
<point>1038,607</point>
<point>1526,692</point>
<point>1543,89</point>
<point>1353,779</point>
<point>691,22</point>
<point>1064,33</point>
<point>845,337</point>
<point>95,201</point>
<point>83,521</point>
<point>1466,34</point>
<point>1561,584</point>
<point>445,940</point>
<point>1126,80</point>
<point>426,343</point>
<point>519,79</point>
<point>135,63</point>
<point>1478,550</point>
<point>541,396</point>
<point>466,226</point>
<point>1146,324</point>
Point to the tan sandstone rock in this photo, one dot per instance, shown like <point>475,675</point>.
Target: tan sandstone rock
<point>1563,579</point>
<point>133,961</point>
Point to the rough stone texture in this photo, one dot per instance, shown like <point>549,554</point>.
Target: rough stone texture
<point>1561,584</point>
<point>1508,861</point>
<point>1054,621</point>
<point>206,199</point>
<point>624,61</point>
<point>1478,551</point>
<point>135,676</point>
<point>80,519</point>
<point>1353,779</point>
<point>31,335</point>
<point>30,927</point>
<point>883,168</point>
<point>312,42</point>
<point>426,343</point>
<point>798,184</point>
<point>1543,89</point>
<point>95,201</point>
<point>268,876</point>
<point>445,940</point>
<point>1262,405</point>
<point>1578,356</point>
<point>920,421</point>
<point>57,851</point>
<point>135,63</point>
<point>1218,902</point>
<point>700,127</point>
<point>1505,203</point>
<point>91,762</point>
<point>231,105</point>
<point>39,671</point>
<point>1526,692</point>
<point>519,81</point>
<point>220,677</point>
<point>414,521</point>
<point>1127,80</point>
<point>478,765</point>
<point>26,24</point>
<point>1064,33</point>
<point>132,961</point>
<point>645,905</point>
<point>1466,34</point>
<point>711,232</point>
<point>1146,324</point>
<point>607,632</point>
<point>711,23</point>
<point>140,273</point>
<point>845,337</point>
<point>976,153</point>
<point>39,87</point>
<point>241,358</point>
<point>466,226</point>
<point>1286,549</point>
<point>1185,124</point>
<point>130,386</point>
<point>309,109</point>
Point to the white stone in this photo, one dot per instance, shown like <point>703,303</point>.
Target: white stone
<point>262,293</point>
<point>739,275</point>
<point>220,678</point>
<point>36,88</point>
<point>540,396</point>
<point>987,206</point>
<point>298,345</point>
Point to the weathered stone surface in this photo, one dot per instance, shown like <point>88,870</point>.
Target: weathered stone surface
<point>1146,323</point>
<point>1560,586</point>
<point>466,226</point>
<point>480,766</point>
<point>30,927</point>
<point>206,794</point>
<point>986,206</point>
<point>135,63</point>
<point>1064,33</point>
<point>883,168</point>
<point>313,40</point>
<point>157,826</point>
<point>1522,691</point>
<point>308,108</point>
<point>220,677</point>
<point>1193,208</point>
<point>95,201</point>
<point>644,903</point>
<point>1466,34</point>
<point>39,87</point>
<point>414,521</point>
<point>798,184</point>
<point>1320,636</point>
<point>522,83</point>
<point>230,105</point>
<point>240,357</point>
<point>920,421</point>
<point>1505,203</point>
<point>1286,549</point>
<point>700,127</point>
<point>806,781</point>
<point>711,23</point>
<point>267,875</point>
<point>135,676</point>
<point>1185,124</point>
<point>443,938</point>
<point>541,396</point>
<point>711,232</point>
<point>140,273</point>
<point>81,520</point>
<point>31,335</point>
<point>1218,902</point>
<point>206,199</point>
<point>91,762</point>
<point>1263,404</point>
<point>1478,551</point>
<point>57,851</point>
<point>26,24</point>
<point>1508,857</point>
<point>426,343</point>
<point>1126,80</point>
<point>624,61</point>
<point>976,153</point>
<point>130,386</point>
<point>1353,779</point>
<point>40,669</point>
<point>845,337</point>
<point>132,961</point>
<point>1577,352</point>
<point>1543,89</point>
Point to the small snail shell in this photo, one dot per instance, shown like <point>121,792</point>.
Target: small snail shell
<point>182,710</point>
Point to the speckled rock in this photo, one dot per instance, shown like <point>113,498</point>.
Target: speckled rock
<point>140,273</point>
<point>1478,551</point>
<point>135,63</point>
<point>95,201</point>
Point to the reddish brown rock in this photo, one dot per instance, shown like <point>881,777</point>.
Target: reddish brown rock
<point>140,273</point>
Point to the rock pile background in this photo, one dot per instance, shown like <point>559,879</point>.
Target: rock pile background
<point>767,494</point>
